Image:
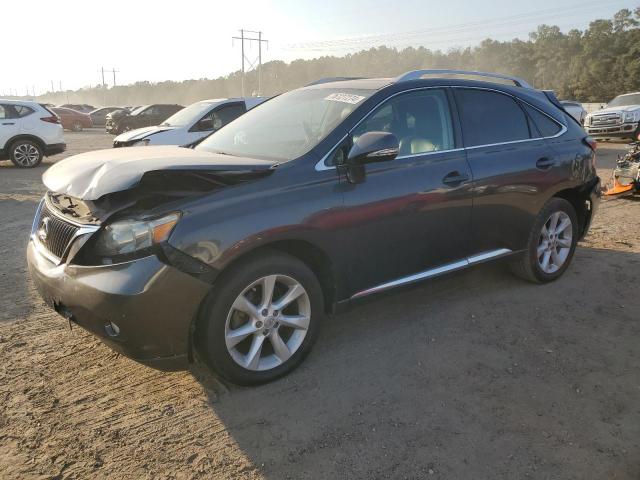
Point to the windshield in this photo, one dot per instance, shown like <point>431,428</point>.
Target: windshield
<point>136,111</point>
<point>287,126</point>
<point>188,115</point>
<point>625,100</point>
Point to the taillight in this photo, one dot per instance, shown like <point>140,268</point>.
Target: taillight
<point>591,142</point>
<point>52,119</point>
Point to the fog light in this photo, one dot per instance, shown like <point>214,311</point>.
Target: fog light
<point>112,329</point>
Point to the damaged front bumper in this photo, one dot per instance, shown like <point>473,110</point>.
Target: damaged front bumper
<point>142,308</point>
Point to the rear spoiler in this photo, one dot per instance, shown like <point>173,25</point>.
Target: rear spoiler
<point>551,96</point>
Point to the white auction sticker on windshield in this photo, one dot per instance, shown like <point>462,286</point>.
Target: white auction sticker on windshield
<point>344,98</point>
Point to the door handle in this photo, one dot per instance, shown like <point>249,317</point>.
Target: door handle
<point>455,178</point>
<point>545,163</point>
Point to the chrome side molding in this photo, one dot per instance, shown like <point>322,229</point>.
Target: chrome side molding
<point>434,272</point>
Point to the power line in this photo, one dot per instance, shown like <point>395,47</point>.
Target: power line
<point>537,16</point>
<point>260,41</point>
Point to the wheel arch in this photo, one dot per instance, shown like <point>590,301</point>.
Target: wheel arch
<point>578,198</point>
<point>311,255</point>
<point>25,136</point>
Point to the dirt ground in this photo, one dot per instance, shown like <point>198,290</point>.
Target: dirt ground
<point>476,375</point>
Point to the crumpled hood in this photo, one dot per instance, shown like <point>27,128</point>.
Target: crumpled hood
<point>140,133</point>
<point>91,175</point>
<point>628,108</point>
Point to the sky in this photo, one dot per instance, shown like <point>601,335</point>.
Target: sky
<point>67,42</point>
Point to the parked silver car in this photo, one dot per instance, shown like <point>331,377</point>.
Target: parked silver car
<point>575,109</point>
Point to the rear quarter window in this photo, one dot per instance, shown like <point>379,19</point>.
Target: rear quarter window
<point>543,125</point>
<point>489,117</point>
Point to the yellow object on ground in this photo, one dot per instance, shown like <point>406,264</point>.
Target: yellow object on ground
<point>618,188</point>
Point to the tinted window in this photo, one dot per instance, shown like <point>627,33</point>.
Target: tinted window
<point>421,120</point>
<point>490,117</point>
<point>543,125</point>
<point>3,112</point>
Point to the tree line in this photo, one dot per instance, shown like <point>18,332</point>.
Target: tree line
<point>593,65</point>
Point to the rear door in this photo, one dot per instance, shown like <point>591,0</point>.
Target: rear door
<point>413,213</point>
<point>512,167</point>
<point>9,124</point>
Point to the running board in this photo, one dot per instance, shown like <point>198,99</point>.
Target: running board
<point>434,272</point>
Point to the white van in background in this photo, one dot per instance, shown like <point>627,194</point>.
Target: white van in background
<point>193,123</point>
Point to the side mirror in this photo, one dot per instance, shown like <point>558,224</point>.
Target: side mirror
<point>372,147</point>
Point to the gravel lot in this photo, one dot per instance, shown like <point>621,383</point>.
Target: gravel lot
<point>477,375</point>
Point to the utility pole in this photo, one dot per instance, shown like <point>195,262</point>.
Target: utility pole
<point>52,87</point>
<point>114,75</point>
<point>260,40</point>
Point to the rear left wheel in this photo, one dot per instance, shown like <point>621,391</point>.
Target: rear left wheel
<point>261,320</point>
<point>551,245</point>
<point>26,154</point>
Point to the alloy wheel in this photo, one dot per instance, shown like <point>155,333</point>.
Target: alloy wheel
<point>555,242</point>
<point>26,154</point>
<point>267,322</point>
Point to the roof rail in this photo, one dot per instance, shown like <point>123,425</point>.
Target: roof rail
<point>332,79</point>
<point>417,74</point>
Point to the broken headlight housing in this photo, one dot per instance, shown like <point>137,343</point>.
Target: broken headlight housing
<point>125,237</point>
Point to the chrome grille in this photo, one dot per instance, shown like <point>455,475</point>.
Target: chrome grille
<point>54,233</point>
<point>606,119</point>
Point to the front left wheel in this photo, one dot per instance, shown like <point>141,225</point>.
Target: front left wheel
<point>261,319</point>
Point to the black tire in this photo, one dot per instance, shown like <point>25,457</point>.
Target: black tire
<point>527,265</point>
<point>26,153</point>
<point>210,330</point>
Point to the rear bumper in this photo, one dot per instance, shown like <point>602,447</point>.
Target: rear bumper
<point>142,309</point>
<point>625,130</point>
<point>54,149</point>
<point>594,195</point>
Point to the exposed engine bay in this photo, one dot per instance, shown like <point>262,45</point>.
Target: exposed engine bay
<point>154,190</point>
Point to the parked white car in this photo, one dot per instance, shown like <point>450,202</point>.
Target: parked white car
<point>28,132</point>
<point>193,123</point>
<point>575,109</point>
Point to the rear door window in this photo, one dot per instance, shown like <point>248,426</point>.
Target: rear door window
<point>489,117</point>
<point>4,112</point>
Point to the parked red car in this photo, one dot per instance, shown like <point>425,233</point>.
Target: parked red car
<point>72,120</point>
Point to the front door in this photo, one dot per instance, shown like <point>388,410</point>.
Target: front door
<point>413,213</point>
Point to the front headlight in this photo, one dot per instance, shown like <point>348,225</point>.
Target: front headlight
<point>129,236</point>
<point>632,116</point>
